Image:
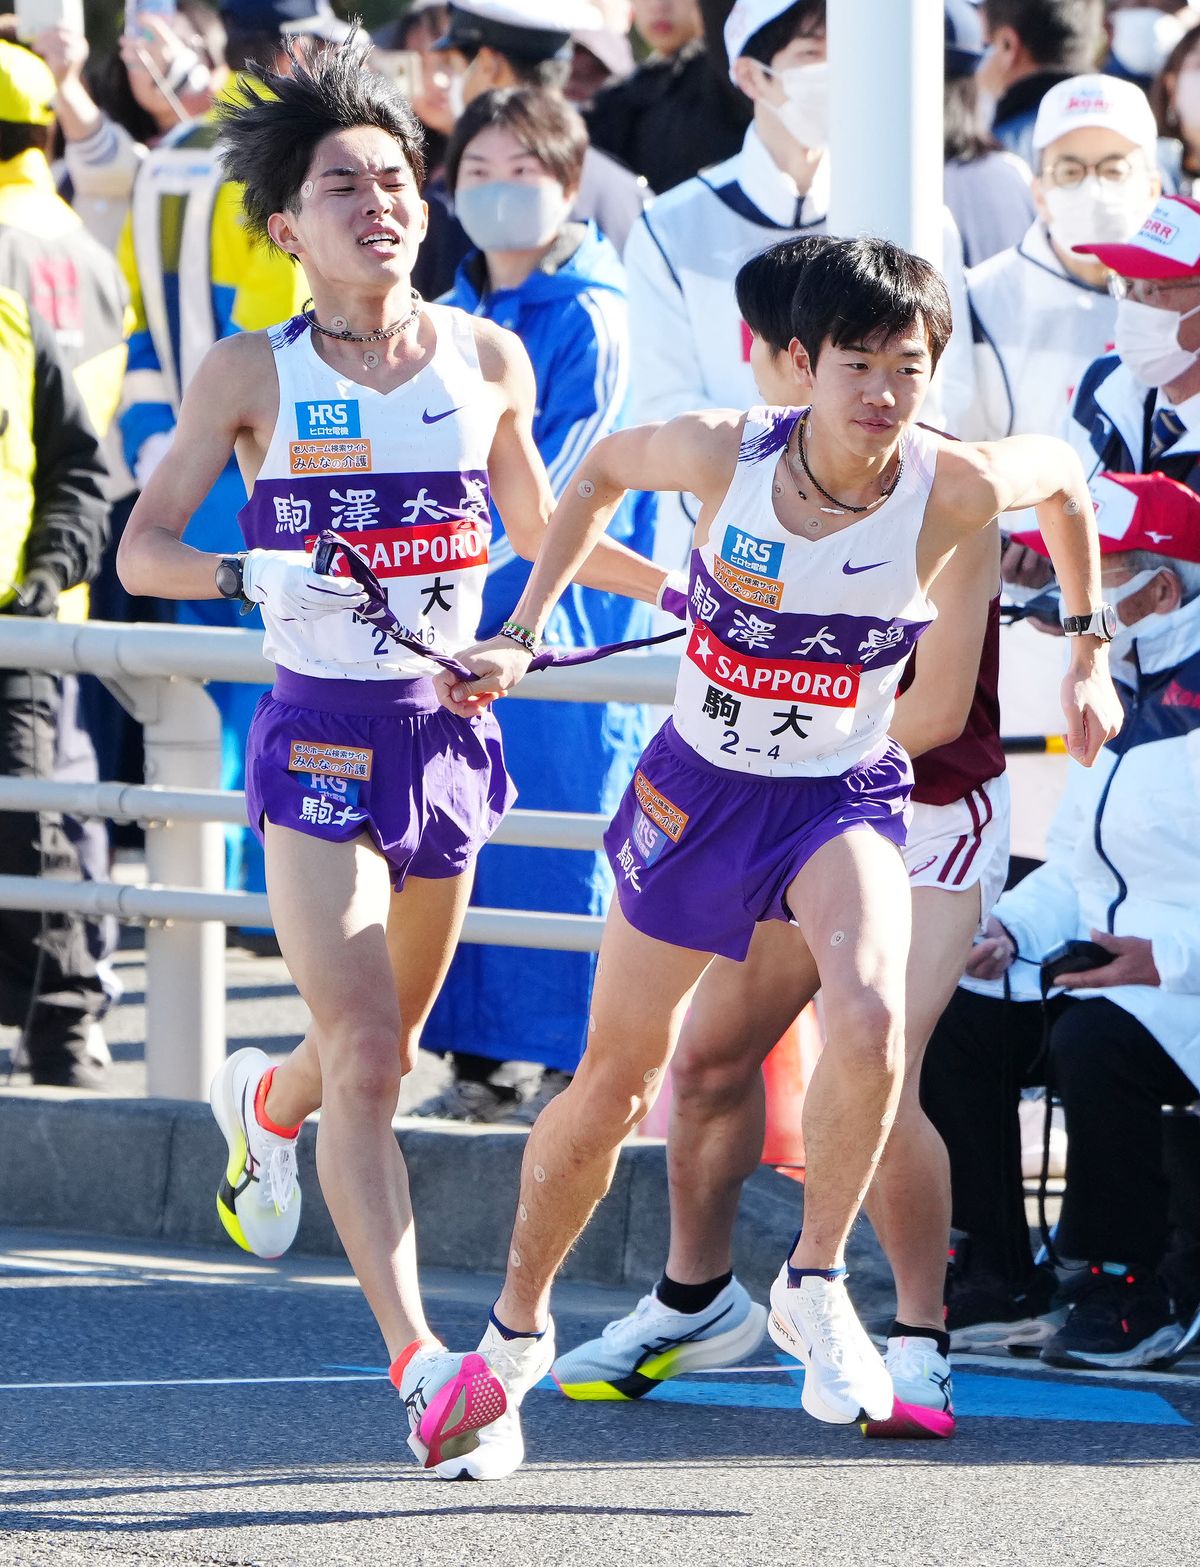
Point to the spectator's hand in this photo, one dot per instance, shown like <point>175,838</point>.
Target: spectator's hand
<point>285,582</point>
<point>1132,964</point>
<point>64,51</point>
<point>499,664</point>
<point>158,51</point>
<point>993,954</point>
<point>37,595</point>
<point>1024,567</point>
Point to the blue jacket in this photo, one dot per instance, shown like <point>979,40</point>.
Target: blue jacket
<point>505,1002</point>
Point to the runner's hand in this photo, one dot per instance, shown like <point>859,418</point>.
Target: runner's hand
<point>499,664</point>
<point>285,582</point>
<point>1090,705</point>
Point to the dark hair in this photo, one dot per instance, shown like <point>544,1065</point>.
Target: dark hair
<point>964,139</point>
<point>864,290</point>
<point>545,125</point>
<point>270,140</point>
<point>1161,97</point>
<point>16,138</point>
<point>254,52</point>
<point>766,286</point>
<point>1060,34</point>
<point>805,19</point>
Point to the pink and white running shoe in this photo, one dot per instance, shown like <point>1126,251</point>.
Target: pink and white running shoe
<point>448,1399</point>
<point>924,1405</point>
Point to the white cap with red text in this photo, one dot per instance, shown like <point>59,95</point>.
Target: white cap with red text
<point>1105,101</point>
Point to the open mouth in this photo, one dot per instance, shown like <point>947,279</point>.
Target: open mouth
<point>384,239</point>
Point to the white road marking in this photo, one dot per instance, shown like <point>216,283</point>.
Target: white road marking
<point>42,1387</point>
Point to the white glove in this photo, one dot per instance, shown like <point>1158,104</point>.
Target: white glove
<point>150,453</point>
<point>285,582</point>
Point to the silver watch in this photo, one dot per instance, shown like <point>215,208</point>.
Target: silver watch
<point>1100,623</point>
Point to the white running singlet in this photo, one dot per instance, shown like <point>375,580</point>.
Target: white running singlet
<point>402,476</point>
<point>795,646</point>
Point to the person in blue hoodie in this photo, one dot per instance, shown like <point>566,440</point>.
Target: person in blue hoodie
<point>512,1021</point>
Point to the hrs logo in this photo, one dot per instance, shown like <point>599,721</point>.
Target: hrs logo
<point>336,419</point>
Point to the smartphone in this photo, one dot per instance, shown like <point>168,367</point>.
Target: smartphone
<point>402,66</point>
<point>135,10</point>
<point>1073,957</point>
<point>38,16</point>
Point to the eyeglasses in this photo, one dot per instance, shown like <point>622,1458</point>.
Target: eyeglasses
<point>1067,173</point>
<point>1147,293</point>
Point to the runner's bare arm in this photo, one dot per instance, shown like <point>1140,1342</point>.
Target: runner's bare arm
<point>217,407</point>
<point>518,481</point>
<point>695,452</point>
<point>934,708</point>
<point>977,481</point>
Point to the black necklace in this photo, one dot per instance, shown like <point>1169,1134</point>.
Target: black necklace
<point>842,506</point>
<point>342,333</point>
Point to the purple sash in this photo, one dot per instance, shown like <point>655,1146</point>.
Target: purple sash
<point>378,612</point>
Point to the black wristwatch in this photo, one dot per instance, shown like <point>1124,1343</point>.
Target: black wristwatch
<point>1100,623</point>
<point>229,579</point>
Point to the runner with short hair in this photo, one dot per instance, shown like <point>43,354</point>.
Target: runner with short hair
<point>395,423</point>
<point>956,854</point>
<point>773,792</point>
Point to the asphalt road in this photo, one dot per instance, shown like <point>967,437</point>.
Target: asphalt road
<point>166,1407</point>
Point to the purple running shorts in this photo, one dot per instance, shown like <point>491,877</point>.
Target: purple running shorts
<point>336,758</point>
<point>701,854</point>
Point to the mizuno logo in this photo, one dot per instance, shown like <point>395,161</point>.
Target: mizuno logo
<point>853,571</point>
<point>428,418</point>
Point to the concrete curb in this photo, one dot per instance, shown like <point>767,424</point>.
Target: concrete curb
<point>149,1168</point>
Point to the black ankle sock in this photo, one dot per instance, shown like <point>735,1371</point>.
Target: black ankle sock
<point>690,1297</point>
<point>906,1330</point>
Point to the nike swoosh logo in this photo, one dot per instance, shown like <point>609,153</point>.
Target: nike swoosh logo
<point>428,418</point>
<point>853,571</point>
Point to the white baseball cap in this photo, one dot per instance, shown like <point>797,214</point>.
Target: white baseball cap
<point>528,29</point>
<point>1096,100</point>
<point>746,18</point>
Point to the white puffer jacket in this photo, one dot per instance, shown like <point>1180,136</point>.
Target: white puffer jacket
<point>1124,849</point>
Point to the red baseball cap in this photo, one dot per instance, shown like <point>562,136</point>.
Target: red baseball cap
<point>1139,511</point>
<point>1166,246</point>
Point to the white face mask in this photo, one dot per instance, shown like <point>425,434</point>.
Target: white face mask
<point>804,112</point>
<point>1122,642</point>
<point>1147,341</point>
<point>1096,212</point>
<point>1142,38</point>
<point>1187,99</point>
<point>511,214</point>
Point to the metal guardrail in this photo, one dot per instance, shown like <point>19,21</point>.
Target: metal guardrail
<point>158,674</point>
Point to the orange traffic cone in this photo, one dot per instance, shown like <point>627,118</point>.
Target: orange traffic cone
<point>786,1073</point>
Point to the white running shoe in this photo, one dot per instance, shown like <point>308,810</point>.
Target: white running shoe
<point>449,1399</point>
<point>520,1364</point>
<point>634,1354</point>
<point>258,1200</point>
<point>924,1405</point>
<point>844,1377</point>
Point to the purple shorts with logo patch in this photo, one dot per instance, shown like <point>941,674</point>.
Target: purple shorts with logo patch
<point>701,854</point>
<point>336,758</point>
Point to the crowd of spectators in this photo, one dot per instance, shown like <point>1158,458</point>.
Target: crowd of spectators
<point>597,175</point>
